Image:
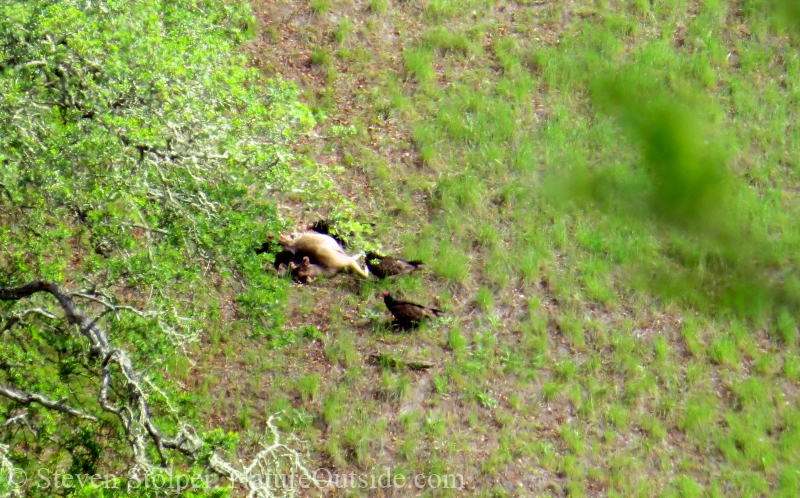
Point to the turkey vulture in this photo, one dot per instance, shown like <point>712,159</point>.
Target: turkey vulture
<point>408,314</point>
<point>387,266</point>
<point>306,272</point>
<point>283,258</point>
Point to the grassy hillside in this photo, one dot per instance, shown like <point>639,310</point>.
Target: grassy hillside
<point>606,194</point>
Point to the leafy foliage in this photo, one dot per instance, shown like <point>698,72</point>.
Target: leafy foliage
<point>139,153</point>
<point>133,121</point>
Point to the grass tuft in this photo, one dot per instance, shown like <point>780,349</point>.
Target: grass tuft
<point>319,7</point>
<point>378,6</point>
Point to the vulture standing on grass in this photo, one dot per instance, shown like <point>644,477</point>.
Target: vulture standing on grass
<point>387,266</point>
<point>408,314</point>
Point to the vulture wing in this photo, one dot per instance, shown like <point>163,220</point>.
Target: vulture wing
<point>387,266</point>
<point>406,312</point>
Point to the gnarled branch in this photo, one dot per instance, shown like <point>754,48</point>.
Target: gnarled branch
<point>30,398</point>
<point>133,412</point>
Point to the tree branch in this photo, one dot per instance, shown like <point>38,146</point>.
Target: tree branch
<point>30,398</point>
<point>134,411</point>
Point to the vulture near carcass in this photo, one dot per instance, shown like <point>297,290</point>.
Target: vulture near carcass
<point>408,314</point>
<point>283,259</point>
<point>322,250</point>
<point>306,272</point>
<point>387,266</point>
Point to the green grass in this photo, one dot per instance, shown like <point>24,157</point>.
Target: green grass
<point>615,318</point>
<point>444,42</point>
<point>321,59</point>
<point>343,31</point>
<point>418,64</point>
<point>319,7</point>
<point>378,6</point>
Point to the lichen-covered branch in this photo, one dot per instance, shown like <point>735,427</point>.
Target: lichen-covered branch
<point>30,398</point>
<point>275,459</point>
<point>133,409</point>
